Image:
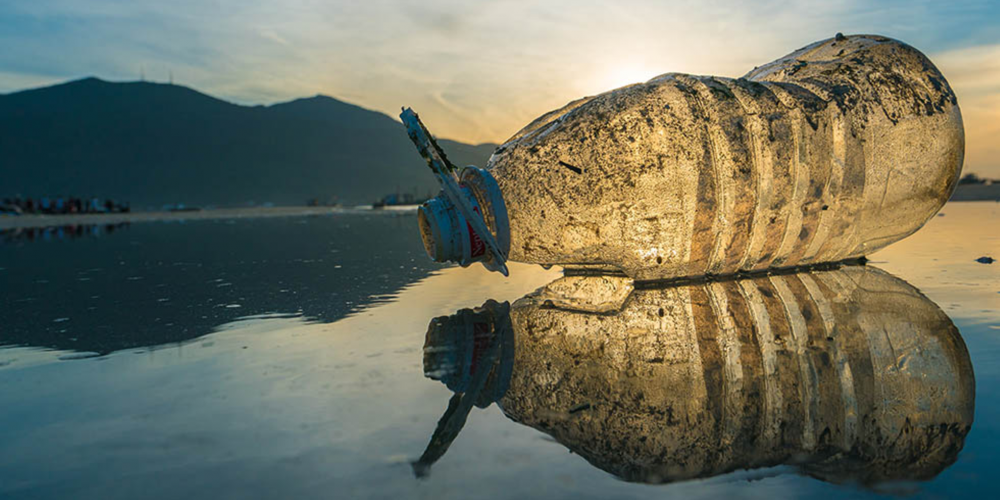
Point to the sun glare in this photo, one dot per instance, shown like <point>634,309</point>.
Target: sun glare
<point>620,76</point>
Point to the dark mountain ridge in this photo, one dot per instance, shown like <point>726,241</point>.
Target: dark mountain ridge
<point>154,144</point>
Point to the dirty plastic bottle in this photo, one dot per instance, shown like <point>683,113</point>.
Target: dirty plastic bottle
<point>829,153</point>
<point>850,375</point>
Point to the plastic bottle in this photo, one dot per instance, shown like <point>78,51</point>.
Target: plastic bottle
<point>851,375</point>
<point>829,153</point>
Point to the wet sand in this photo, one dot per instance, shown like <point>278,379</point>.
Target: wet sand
<point>35,221</point>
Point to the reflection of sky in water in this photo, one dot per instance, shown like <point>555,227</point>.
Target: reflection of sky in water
<point>940,261</point>
<point>278,406</point>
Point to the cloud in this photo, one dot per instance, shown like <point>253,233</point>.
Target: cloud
<point>274,37</point>
<point>972,71</point>
<point>974,75</point>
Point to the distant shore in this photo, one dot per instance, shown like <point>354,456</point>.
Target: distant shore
<point>977,192</point>
<point>38,220</point>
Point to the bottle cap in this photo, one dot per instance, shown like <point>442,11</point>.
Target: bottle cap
<point>460,346</point>
<point>449,237</point>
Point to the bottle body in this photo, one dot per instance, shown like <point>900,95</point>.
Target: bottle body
<point>829,153</point>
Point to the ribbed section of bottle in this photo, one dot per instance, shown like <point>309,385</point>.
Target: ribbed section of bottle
<point>852,375</point>
<point>829,153</point>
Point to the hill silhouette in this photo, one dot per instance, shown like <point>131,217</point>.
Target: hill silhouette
<point>154,144</point>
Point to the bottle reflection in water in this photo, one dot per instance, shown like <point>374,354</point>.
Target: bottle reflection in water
<point>850,375</point>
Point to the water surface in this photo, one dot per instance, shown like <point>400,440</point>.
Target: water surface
<point>286,358</point>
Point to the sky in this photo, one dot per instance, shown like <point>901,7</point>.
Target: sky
<point>478,71</point>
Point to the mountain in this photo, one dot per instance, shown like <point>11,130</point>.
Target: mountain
<point>153,144</point>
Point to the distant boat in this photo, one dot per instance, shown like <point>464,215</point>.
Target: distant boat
<point>395,200</point>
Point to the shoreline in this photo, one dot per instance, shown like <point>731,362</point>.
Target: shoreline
<point>35,221</point>
<point>41,221</point>
<point>977,192</point>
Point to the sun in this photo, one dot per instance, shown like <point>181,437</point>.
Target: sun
<point>622,75</point>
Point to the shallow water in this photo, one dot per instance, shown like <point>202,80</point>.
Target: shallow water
<point>282,358</point>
